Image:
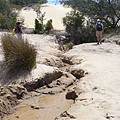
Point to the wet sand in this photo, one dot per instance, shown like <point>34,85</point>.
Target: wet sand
<point>48,108</point>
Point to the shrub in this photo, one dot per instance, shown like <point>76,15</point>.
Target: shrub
<point>115,31</point>
<point>18,53</point>
<point>79,33</point>
<point>7,15</point>
<point>69,46</point>
<point>48,25</point>
<point>38,27</point>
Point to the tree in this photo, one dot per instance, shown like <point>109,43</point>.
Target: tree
<point>38,27</point>
<point>40,15</point>
<point>26,2</point>
<point>48,25</point>
<point>7,16</point>
<point>74,23</point>
<point>106,10</point>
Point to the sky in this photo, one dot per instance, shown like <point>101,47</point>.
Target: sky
<point>54,2</point>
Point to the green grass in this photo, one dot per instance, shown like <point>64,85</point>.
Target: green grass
<point>18,53</point>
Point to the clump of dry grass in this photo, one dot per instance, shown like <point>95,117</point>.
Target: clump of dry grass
<point>18,53</point>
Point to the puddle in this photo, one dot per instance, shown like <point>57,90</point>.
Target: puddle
<point>50,106</point>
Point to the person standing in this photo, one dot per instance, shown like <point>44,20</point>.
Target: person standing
<point>18,29</point>
<point>99,31</point>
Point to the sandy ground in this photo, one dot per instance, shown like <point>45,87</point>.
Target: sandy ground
<point>101,96</point>
<point>54,12</point>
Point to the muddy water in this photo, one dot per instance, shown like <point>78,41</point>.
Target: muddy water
<point>50,106</point>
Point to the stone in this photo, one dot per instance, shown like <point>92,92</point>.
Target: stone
<point>71,94</point>
<point>78,73</point>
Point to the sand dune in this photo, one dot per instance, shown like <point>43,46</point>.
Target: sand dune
<point>54,12</point>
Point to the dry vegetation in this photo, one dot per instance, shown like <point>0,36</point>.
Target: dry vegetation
<point>18,53</point>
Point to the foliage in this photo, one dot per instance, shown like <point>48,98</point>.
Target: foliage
<point>111,31</point>
<point>40,15</point>
<point>7,16</point>
<point>74,23</point>
<point>48,25</point>
<point>26,2</point>
<point>18,53</point>
<point>41,28</point>
<point>69,45</point>
<point>106,10</point>
<point>38,27</point>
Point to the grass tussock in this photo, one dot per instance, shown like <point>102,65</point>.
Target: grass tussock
<point>18,53</point>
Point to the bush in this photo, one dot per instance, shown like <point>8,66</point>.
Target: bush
<point>115,31</point>
<point>79,33</point>
<point>38,27</point>
<point>48,25</point>
<point>69,45</point>
<point>7,15</point>
<point>18,53</point>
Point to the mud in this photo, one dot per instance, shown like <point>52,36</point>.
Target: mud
<point>45,107</point>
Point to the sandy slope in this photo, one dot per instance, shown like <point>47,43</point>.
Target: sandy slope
<point>101,86</point>
<point>54,12</point>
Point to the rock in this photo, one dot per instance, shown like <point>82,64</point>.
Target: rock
<point>42,76</point>
<point>66,59</point>
<point>53,61</point>
<point>7,101</point>
<point>8,97</point>
<point>18,90</point>
<point>67,79</point>
<point>71,94</point>
<point>35,107</point>
<point>66,114</point>
<point>78,73</point>
<point>51,91</point>
<point>78,89</point>
<point>117,42</point>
